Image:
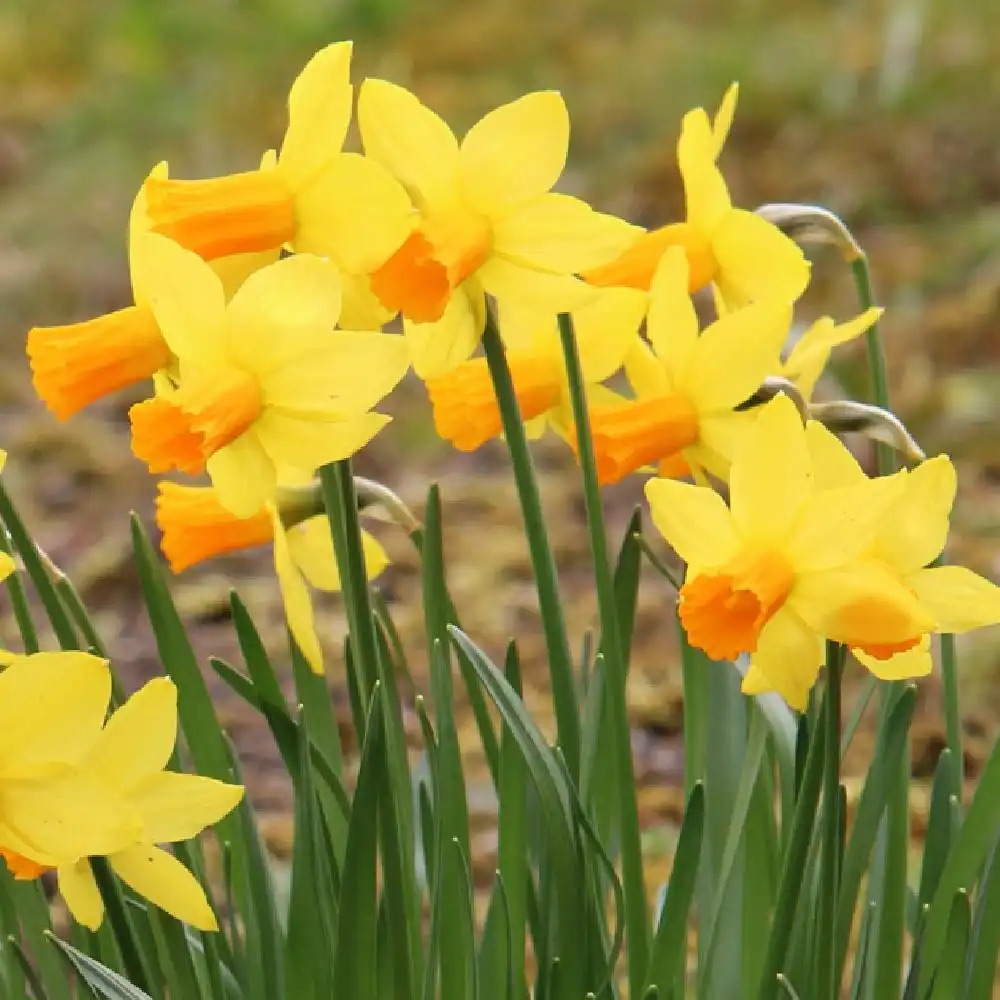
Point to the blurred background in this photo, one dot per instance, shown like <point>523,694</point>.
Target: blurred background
<point>885,111</point>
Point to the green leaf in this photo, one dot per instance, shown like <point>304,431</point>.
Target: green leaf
<point>25,915</point>
<point>554,799</point>
<point>891,744</point>
<point>669,949</point>
<point>105,982</point>
<point>948,977</point>
<point>981,968</point>
<point>354,956</point>
<point>940,829</point>
<point>496,959</point>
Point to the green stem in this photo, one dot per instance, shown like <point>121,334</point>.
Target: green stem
<point>543,562</point>
<point>615,673</point>
<point>826,978</point>
<point>790,886</point>
<point>19,601</point>
<point>952,713</point>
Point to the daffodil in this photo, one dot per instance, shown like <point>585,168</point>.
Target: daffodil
<point>783,566</point>
<point>264,379</point>
<point>195,527</point>
<point>75,365</point>
<point>465,407</point>
<point>52,708</point>
<point>910,537</point>
<point>129,757</point>
<point>487,220</point>
<point>687,383</point>
<point>742,255</point>
<point>811,351</point>
<point>312,197</point>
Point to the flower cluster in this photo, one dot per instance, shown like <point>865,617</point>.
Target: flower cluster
<point>260,302</point>
<point>75,784</point>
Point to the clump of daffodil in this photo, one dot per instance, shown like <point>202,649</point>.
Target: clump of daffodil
<point>487,220</point>
<point>75,365</point>
<point>311,197</point>
<point>465,407</point>
<point>128,757</point>
<point>264,380</point>
<point>687,383</point>
<point>784,565</point>
<point>195,526</point>
<point>52,811</point>
<point>810,353</point>
<point>743,256</point>
<point>910,536</point>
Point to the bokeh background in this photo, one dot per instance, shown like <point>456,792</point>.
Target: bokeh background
<point>886,111</point>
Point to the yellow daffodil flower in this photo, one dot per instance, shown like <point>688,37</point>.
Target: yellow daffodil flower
<point>195,527</point>
<point>688,382</point>
<point>52,708</point>
<point>810,353</point>
<point>465,407</point>
<point>783,565</point>
<point>75,365</point>
<point>745,257</point>
<point>264,380</point>
<point>129,757</point>
<point>312,198</point>
<point>488,222</point>
<point>912,535</point>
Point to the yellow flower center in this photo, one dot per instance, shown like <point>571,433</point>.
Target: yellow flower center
<point>196,526</point>
<point>723,612</point>
<point>77,364</point>
<point>184,429</point>
<point>418,279</point>
<point>635,267</point>
<point>239,213</point>
<point>629,435</point>
<point>465,407</point>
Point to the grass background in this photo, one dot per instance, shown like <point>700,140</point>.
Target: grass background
<point>883,111</point>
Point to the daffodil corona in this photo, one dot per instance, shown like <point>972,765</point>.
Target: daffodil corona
<point>487,219</point>
<point>263,380</point>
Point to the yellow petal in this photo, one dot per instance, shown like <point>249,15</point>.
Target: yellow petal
<point>861,603</point>
<point>914,531</point>
<point>506,279</point>
<point>606,330</point>
<point>139,222</point>
<point>958,599</point>
<point>166,883</point>
<point>410,140</point>
<point>436,348</point>
<point>185,295</point>
<point>529,330</point>
<point>283,312</point>
<point>914,662</point>
<point>319,111</point>
<point>7,565</point>
<point>841,523</point>
<point>832,463</point>
<point>706,196</point>
<point>175,806</point>
<point>298,603</point>
<point>139,737</point>
<point>770,479</point>
<point>756,261</point>
<point>694,521</point>
<point>672,325</point>
<point>59,819</point>
<point>354,211</point>
<point>52,707</point>
<point>555,232</point>
<point>787,659</point>
<point>735,354</point>
<point>361,309</point>
<point>243,473</point>
<point>307,442</point>
<point>810,353</point>
<point>311,549</point>
<point>644,372</point>
<point>515,153</point>
<point>234,269</point>
<point>723,120</point>
<point>353,369</point>
<point>79,890</point>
